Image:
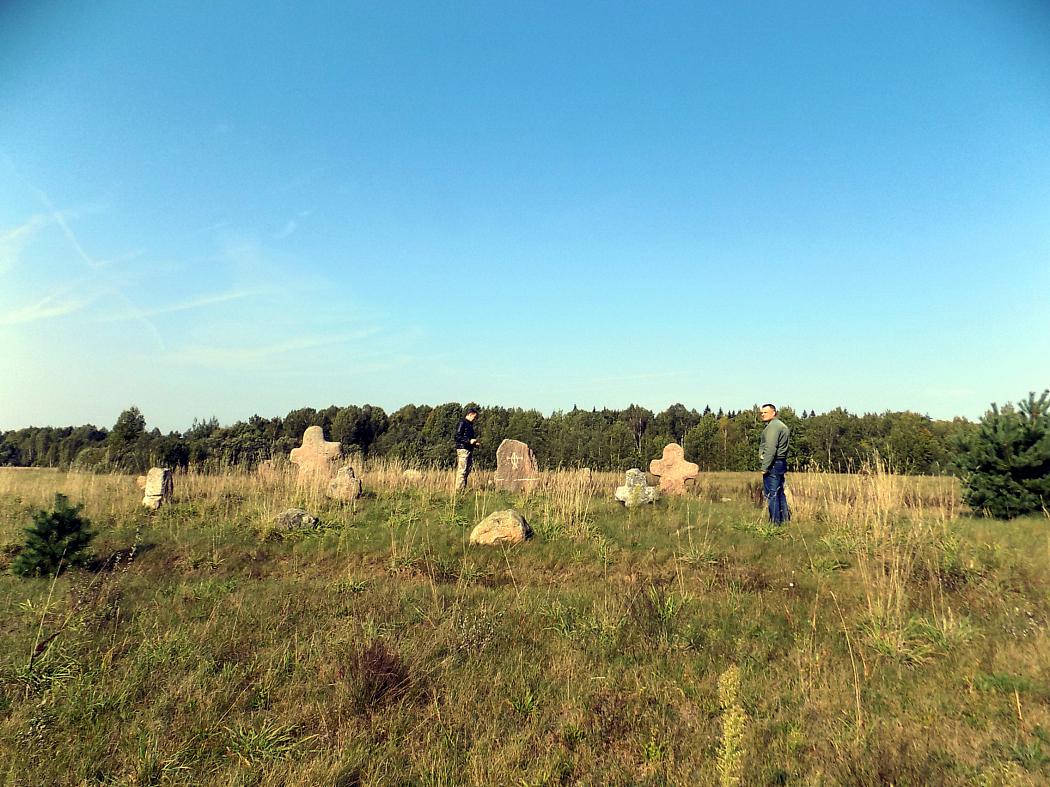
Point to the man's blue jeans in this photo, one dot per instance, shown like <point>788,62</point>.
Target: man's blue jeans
<point>773,488</point>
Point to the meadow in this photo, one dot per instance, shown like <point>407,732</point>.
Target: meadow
<point>885,636</point>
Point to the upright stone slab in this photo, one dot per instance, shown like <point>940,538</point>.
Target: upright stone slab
<point>158,489</point>
<point>267,470</point>
<point>515,466</point>
<point>273,469</point>
<point>673,470</point>
<point>635,491</point>
<point>316,457</point>
<point>345,485</point>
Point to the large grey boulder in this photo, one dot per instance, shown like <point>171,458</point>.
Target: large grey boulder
<point>501,527</point>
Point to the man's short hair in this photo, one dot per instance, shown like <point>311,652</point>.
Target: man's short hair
<point>772,407</point>
<point>472,410</point>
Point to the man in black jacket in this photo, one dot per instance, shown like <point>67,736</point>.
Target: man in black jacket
<point>465,444</point>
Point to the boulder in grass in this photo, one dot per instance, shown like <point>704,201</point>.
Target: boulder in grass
<point>344,485</point>
<point>294,519</point>
<point>501,527</point>
<point>140,482</point>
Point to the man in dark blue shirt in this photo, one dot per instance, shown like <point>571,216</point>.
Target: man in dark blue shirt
<point>465,444</point>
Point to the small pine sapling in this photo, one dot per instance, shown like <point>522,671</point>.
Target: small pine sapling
<point>1005,463</point>
<point>57,539</point>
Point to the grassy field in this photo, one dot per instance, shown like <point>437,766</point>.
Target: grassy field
<point>883,637</point>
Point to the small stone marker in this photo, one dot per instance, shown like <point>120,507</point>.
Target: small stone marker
<point>515,466</point>
<point>316,456</point>
<point>412,475</point>
<point>501,527</point>
<point>345,485</point>
<point>635,492</point>
<point>294,519</point>
<point>140,482</point>
<point>271,469</point>
<point>673,470</point>
<point>158,489</point>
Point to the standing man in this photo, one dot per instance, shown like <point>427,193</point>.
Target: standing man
<point>772,456</point>
<point>465,444</point>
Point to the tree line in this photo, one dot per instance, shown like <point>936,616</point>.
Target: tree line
<point>600,439</point>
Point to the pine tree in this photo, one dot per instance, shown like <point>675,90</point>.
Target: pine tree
<point>1005,462</point>
<point>57,539</point>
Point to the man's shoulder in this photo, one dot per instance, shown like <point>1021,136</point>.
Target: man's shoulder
<point>776,425</point>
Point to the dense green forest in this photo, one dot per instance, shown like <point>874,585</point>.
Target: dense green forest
<point>600,439</point>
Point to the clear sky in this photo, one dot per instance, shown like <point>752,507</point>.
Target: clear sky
<point>236,208</point>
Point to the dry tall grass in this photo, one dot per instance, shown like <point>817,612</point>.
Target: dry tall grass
<point>878,638</point>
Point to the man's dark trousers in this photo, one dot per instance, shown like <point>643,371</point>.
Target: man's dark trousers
<point>773,488</point>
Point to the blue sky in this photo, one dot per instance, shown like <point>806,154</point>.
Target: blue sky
<point>237,208</point>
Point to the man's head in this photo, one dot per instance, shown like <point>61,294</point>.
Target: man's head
<point>767,413</point>
<point>472,413</point>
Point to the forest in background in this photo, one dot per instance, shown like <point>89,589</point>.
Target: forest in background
<point>605,439</point>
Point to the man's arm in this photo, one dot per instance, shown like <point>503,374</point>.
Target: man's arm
<point>783,440</point>
<point>766,452</point>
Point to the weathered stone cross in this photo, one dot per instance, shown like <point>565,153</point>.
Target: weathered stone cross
<point>673,470</point>
<point>316,455</point>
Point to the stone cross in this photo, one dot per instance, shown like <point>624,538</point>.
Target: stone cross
<point>515,466</point>
<point>673,470</point>
<point>635,491</point>
<point>316,456</point>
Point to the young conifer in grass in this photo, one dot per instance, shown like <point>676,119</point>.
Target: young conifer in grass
<point>1005,463</point>
<point>57,539</point>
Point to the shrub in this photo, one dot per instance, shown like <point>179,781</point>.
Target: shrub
<point>1005,463</point>
<point>381,675</point>
<point>57,539</point>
